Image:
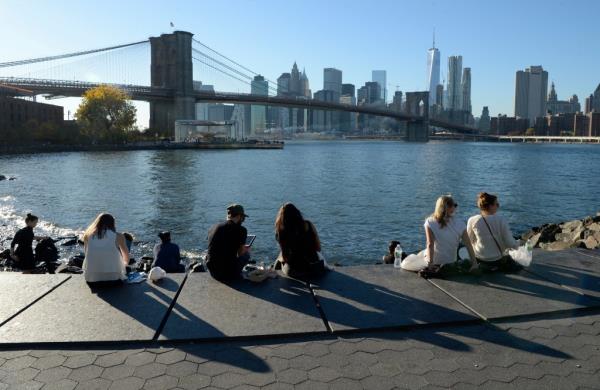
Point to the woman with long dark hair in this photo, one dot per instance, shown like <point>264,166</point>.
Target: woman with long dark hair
<point>299,243</point>
<point>106,254</point>
<point>23,240</point>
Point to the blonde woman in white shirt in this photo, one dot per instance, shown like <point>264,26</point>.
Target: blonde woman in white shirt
<point>106,254</point>
<point>444,232</point>
<point>490,236</point>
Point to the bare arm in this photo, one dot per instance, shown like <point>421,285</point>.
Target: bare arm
<point>467,242</point>
<point>507,236</point>
<point>123,248</point>
<point>430,245</point>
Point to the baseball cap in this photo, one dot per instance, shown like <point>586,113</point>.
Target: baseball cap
<point>236,209</point>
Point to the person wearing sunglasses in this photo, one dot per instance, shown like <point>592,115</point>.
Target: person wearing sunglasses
<point>444,231</point>
<point>491,237</point>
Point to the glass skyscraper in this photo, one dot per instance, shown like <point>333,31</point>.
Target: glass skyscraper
<point>380,77</point>
<point>433,73</point>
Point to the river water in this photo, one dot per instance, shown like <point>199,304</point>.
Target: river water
<point>360,195</point>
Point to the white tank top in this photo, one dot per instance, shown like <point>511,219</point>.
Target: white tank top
<point>103,261</point>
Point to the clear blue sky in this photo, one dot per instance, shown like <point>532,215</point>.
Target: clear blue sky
<point>495,38</point>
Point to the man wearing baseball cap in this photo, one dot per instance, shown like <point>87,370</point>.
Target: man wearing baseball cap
<point>227,249</point>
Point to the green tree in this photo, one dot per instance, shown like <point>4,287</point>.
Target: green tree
<point>106,114</point>
<point>530,131</point>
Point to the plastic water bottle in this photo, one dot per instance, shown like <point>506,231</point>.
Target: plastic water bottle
<point>397,256</point>
<point>529,245</point>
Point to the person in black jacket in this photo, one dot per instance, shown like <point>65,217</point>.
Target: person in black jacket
<point>227,249</point>
<point>21,249</point>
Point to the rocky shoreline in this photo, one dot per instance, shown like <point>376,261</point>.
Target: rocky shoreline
<point>579,233</point>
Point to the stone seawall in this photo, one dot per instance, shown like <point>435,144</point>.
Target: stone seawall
<point>580,233</point>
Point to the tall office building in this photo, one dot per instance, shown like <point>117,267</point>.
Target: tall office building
<point>295,84</point>
<point>202,109</point>
<point>454,83</point>
<point>349,90</point>
<point>304,85</point>
<point>484,120</point>
<point>596,101</point>
<point>433,72</point>
<point>283,84</point>
<point>380,77</point>
<point>332,81</point>
<point>439,95</point>
<point>258,114</point>
<point>531,91</point>
<point>466,90</point>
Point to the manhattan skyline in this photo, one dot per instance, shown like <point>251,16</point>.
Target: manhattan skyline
<point>396,44</point>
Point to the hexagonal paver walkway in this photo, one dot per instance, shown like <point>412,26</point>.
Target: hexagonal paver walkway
<point>559,353</point>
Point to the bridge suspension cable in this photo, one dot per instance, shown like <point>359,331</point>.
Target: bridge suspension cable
<point>68,55</point>
<point>271,82</point>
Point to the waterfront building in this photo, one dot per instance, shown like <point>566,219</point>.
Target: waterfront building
<point>258,118</point>
<point>555,106</point>
<point>380,77</point>
<point>484,120</point>
<point>433,73</point>
<point>531,88</point>
<point>506,125</point>
<point>594,124</point>
<point>596,100</point>
<point>348,119</point>
<point>454,83</point>
<point>241,121</point>
<point>466,90</point>
<point>589,104</point>
<point>581,125</point>
<point>14,113</point>
<point>332,81</point>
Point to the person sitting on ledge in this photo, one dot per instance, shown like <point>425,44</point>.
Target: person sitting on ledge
<point>106,254</point>
<point>444,232</point>
<point>227,250</point>
<point>491,237</point>
<point>167,255</point>
<point>389,257</point>
<point>299,243</point>
<point>23,240</point>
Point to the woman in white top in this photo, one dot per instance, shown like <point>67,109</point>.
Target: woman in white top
<point>490,234</point>
<point>444,233</point>
<point>106,253</point>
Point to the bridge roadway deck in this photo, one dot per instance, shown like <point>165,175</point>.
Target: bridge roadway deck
<point>357,327</point>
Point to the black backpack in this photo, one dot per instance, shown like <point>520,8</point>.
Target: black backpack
<point>46,252</point>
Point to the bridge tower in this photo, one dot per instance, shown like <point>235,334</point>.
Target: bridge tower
<point>171,67</point>
<point>417,103</point>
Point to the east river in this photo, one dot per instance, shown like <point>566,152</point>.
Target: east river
<point>359,194</point>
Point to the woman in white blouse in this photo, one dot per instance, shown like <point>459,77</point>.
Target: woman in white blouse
<point>490,235</point>
<point>444,232</point>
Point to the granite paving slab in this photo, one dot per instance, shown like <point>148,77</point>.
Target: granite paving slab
<point>578,269</point>
<point>372,297</point>
<point>499,295</point>
<point>18,291</point>
<point>75,312</point>
<point>208,309</point>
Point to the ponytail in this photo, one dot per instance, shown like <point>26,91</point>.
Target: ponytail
<point>30,218</point>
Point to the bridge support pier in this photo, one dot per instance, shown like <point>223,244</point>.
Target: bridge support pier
<point>417,131</point>
<point>171,68</point>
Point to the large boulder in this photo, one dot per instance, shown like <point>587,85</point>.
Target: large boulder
<point>2,177</point>
<point>590,242</point>
<point>557,245</point>
<point>548,232</point>
<point>570,236</point>
<point>594,227</point>
<point>572,225</point>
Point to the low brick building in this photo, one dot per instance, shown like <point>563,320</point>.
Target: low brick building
<point>14,112</point>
